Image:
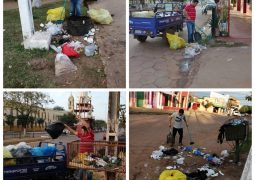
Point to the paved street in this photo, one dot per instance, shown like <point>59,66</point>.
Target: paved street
<point>148,132</point>
<point>154,65</point>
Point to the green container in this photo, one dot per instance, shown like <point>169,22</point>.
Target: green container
<point>237,132</point>
<point>140,99</point>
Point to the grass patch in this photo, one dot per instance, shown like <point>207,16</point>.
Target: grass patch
<point>17,72</point>
<point>149,111</point>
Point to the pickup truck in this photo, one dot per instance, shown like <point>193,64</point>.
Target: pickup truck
<point>166,17</point>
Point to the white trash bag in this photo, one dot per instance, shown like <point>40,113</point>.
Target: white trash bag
<point>63,65</point>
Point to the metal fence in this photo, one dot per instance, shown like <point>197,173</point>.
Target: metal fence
<point>102,156</point>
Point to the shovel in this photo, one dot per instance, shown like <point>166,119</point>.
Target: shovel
<point>190,137</point>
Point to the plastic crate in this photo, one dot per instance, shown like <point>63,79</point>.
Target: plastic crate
<point>100,150</point>
<point>235,132</point>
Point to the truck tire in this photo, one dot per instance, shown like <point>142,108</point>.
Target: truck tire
<point>141,38</point>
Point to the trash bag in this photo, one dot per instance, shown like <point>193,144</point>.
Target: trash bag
<point>10,147</point>
<point>144,14</point>
<point>69,51</point>
<point>175,42</point>
<point>36,3</point>
<point>55,129</point>
<point>21,152</point>
<point>56,14</point>
<point>37,151</point>
<point>49,151</point>
<point>101,16</point>
<point>90,49</point>
<point>79,25</point>
<point>63,65</point>
<point>7,154</point>
<point>170,152</point>
<point>23,145</point>
<point>53,29</point>
<point>172,175</point>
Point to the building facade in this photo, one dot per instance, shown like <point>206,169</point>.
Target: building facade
<point>159,100</point>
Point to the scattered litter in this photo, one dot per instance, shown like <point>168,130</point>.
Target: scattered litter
<point>231,161</point>
<point>42,25</point>
<point>175,157</point>
<point>40,40</point>
<point>90,49</point>
<point>53,29</point>
<point>157,154</point>
<point>77,45</point>
<point>229,59</point>
<point>101,16</point>
<point>69,51</point>
<point>56,49</point>
<point>170,152</point>
<point>224,153</point>
<point>63,65</point>
<point>172,174</point>
<point>221,173</point>
<point>169,167</point>
<point>180,161</point>
<point>146,165</point>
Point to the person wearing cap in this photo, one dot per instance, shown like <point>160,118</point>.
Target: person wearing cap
<point>179,118</point>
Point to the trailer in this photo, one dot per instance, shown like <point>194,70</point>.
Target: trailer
<point>165,18</point>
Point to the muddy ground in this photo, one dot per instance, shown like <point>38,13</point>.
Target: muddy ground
<point>148,132</point>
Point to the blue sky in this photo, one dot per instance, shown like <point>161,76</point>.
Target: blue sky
<point>99,101</point>
<point>239,95</point>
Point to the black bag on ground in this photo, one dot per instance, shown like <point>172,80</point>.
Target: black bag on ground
<point>55,129</point>
<point>79,25</point>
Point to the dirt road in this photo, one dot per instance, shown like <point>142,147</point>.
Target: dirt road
<point>153,64</point>
<point>148,132</point>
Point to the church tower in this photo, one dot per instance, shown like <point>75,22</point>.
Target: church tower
<point>71,104</point>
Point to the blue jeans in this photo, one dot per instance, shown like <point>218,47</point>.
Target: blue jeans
<point>75,7</point>
<point>191,30</point>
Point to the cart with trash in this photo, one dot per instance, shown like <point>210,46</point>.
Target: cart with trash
<point>105,157</point>
<point>45,160</point>
<point>166,17</point>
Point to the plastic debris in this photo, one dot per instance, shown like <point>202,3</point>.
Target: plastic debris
<point>180,161</point>
<point>90,49</point>
<point>157,154</point>
<point>56,14</point>
<point>53,29</point>
<point>169,167</point>
<point>36,3</point>
<point>224,153</point>
<point>77,45</point>
<point>221,173</point>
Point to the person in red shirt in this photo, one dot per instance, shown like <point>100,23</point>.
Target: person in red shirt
<point>85,133</point>
<point>190,14</point>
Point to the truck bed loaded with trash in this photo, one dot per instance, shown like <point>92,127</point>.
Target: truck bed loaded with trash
<point>166,17</point>
<point>55,160</point>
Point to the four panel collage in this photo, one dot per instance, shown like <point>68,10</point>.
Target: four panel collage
<point>127,89</point>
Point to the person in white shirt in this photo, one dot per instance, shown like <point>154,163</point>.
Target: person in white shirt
<point>178,124</point>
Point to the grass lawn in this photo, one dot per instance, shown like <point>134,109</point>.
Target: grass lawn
<point>22,67</point>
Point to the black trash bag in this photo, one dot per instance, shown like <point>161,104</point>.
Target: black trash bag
<point>197,36</point>
<point>170,152</point>
<point>198,175</point>
<point>79,25</point>
<point>55,129</point>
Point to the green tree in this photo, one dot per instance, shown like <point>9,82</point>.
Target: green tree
<point>122,116</point>
<point>10,119</point>
<point>31,121</point>
<point>25,103</point>
<point>246,109</point>
<point>40,121</point>
<point>100,124</point>
<point>248,97</point>
<point>58,108</point>
<point>69,119</point>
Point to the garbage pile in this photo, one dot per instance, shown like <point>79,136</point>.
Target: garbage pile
<point>23,153</point>
<point>210,169</point>
<point>92,161</point>
<point>60,37</point>
<point>163,152</point>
